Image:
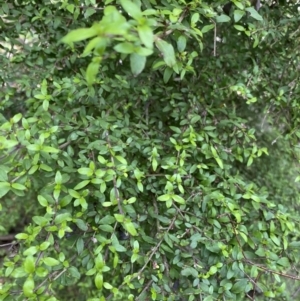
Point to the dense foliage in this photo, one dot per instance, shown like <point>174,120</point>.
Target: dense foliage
<point>149,150</point>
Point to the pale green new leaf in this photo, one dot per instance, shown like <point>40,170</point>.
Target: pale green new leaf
<point>92,71</point>
<point>131,8</point>
<point>29,264</point>
<point>164,197</point>
<point>28,286</point>
<point>129,226</point>
<point>49,261</point>
<point>137,63</point>
<point>58,177</point>
<point>146,35</point>
<point>79,35</point>
<point>167,51</point>
<point>7,143</point>
<point>124,47</point>
<point>42,201</point>
<point>178,199</point>
<point>99,280</point>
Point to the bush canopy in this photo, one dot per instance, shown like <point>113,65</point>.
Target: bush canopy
<point>149,150</point>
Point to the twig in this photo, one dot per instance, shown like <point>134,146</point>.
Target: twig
<point>149,258</point>
<point>259,265</point>
<point>8,244</point>
<point>156,247</point>
<point>296,293</point>
<point>117,195</point>
<point>57,274</point>
<point>145,288</point>
<point>215,39</point>
<point>272,271</point>
<point>7,237</point>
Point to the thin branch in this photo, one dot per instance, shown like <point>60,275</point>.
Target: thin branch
<point>215,39</point>
<point>156,247</point>
<point>117,195</point>
<point>168,32</point>
<point>259,265</point>
<point>145,288</point>
<point>149,258</point>
<point>7,237</point>
<point>271,271</point>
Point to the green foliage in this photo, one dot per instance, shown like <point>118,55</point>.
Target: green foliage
<point>153,147</point>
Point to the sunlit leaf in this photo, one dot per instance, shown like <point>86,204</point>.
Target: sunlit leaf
<point>137,63</point>
<point>79,35</point>
<point>131,8</point>
<point>167,51</point>
<point>222,18</point>
<point>28,286</point>
<point>130,228</point>
<point>146,35</point>
<point>49,261</point>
